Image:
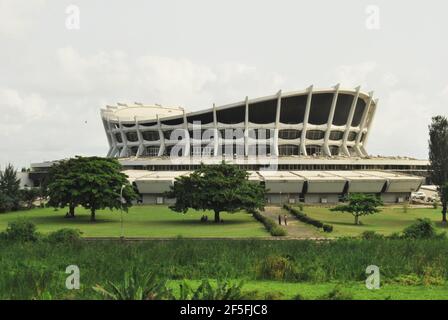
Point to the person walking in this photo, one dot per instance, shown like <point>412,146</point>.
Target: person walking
<point>286,220</point>
<point>279,219</point>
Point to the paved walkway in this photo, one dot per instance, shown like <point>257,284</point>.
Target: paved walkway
<point>295,228</point>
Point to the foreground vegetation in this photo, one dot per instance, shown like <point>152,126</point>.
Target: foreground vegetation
<point>36,270</point>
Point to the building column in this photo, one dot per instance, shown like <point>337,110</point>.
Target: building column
<point>125,151</point>
<point>374,107</point>
<point>215,128</point>
<point>362,125</point>
<point>348,124</point>
<point>305,121</point>
<point>141,147</point>
<point>246,126</point>
<point>277,122</point>
<point>330,120</point>
<point>187,136</point>
<point>161,137</point>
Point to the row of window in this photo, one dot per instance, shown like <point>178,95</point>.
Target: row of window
<point>287,134</point>
<point>285,167</point>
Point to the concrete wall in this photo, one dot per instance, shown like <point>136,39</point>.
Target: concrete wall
<point>152,199</point>
<point>317,198</point>
<point>394,197</point>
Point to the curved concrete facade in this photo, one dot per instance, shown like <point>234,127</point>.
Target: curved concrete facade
<point>321,122</point>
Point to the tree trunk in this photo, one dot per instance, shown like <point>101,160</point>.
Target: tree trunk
<point>92,214</point>
<point>72,210</point>
<point>217,219</point>
<point>444,214</point>
<point>356,219</point>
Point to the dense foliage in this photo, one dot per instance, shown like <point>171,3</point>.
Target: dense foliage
<point>9,189</point>
<point>360,204</point>
<point>219,188</point>
<point>29,269</point>
<point>92,182</point>
<point>273,228</point>
<point>307,219</point>
<point>438,158</point>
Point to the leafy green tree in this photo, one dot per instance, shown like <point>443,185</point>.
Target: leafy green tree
<point>360,204</point>
<point>438,158</point>
<point>92,182</point>
<point>219,188</point>
<point>9,189</point>
<point>62,185</point>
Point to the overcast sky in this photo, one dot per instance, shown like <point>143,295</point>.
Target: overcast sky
<point>54,78</point>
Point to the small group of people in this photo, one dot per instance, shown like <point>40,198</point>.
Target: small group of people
<point>285,219</point>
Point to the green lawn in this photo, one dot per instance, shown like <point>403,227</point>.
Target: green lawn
<point>389,220</point>
<point>358,291</point>
<point>142,221</point>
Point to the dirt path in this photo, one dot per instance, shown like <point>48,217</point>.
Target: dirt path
<point>295,228</point>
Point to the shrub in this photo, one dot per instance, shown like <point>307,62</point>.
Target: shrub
<point>276,268</point>
<point>20,230</point>
<point>224,290</point>
<point>274,295</point>
<point>307,219</point>
<point>64,235</point>
<point>135,286</point>
<point>336,294</point>
<point>270,225</point>
<point>371,235</point>
<point>408,280</point>
<point>432,276</point>
<point>421,229</point>
<point>394,236</point>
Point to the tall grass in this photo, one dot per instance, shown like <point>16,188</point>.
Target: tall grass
<point>30,270</point>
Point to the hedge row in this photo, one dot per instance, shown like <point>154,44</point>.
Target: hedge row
<point>307,219</point>
<point>270,225</point>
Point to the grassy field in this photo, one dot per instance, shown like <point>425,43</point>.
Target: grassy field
<point>279,269</point>
<point>358,291</point>
<point>389,220</point>
<point>142,221</point>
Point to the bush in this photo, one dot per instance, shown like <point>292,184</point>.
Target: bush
<point>307,219</point>
<point>336,294</point>
<point>20,230</point>
<point>224,290</point>
<point>371,235</point>
<point>270,225</point>
<point>64,235</point>
<point>276,268</point>
<point>135,286</point>
<point>421,229</point>
<point>408,280</point>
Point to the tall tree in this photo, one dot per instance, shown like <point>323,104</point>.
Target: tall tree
<point>92,182</point>
<point>61,185</point>
<point>219,188</point>
<point>9,189</point>
<point>360,204</point>
<point>438,157</point>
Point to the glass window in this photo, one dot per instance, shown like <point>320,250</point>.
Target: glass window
<point>289,134</point>
<point>315,134</point>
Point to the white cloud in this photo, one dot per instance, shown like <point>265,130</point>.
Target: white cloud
<point>356,74</point>
<point>17,17</point>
